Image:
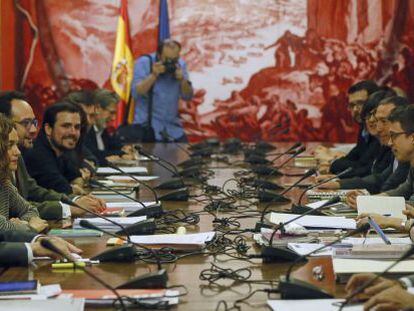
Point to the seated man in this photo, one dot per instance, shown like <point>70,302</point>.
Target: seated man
<point>50,161</point>
<point>15,106</point>
<point>15,212</point>
<point>357,96</point>
<point>390,173</point>
<point>18,248</point>
<point>104,146</point>
<point>402,143</point>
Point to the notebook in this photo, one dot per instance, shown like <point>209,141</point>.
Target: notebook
<point>383,205</point>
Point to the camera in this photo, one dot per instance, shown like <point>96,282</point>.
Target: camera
<point>170,66</point>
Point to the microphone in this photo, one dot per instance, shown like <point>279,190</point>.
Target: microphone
<point>142,227</point>
<point>111,165</point>
<point>260,224</point>
<point>167,138</point>
<point>323,182</point>
<point>359,290</point>
<point>154,210</point>
<point>149,280</point>
<point>175,183</point>
<point>281,226</point>
<point>300,290</point>
<point>274,171</point>
<point>257,158</point>
<point>151,211</point>
<point>46,243</point>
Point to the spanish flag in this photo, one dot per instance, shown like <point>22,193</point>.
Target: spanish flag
<point>123,66</point>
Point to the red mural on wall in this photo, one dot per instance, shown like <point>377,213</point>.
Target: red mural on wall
<point>271,70</point>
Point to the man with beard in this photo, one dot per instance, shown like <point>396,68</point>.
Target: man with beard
<point>15,106</point>
<point>49,162</point>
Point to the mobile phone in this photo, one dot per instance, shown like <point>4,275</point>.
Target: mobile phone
<point>378,230</point>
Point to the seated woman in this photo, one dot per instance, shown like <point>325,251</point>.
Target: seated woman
<point>15,212</point>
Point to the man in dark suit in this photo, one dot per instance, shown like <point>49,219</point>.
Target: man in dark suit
<point>15,106</point>
<point>357,96</point>
<point>101,143</point>
<point>50,161</point>
<point>18,248</point>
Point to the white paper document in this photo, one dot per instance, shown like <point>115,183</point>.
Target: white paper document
<point>351,266</point>
<point>312,221</point>
<point>383,205</point>
<point>316,204</point>
<point>311,305</point>
<point>303,249</point>
<point>129,206</point>
<point>369,241</point>
<point>69,304</point>
<point>126,169</point>
<point>129,178</point>
<point>194,238</point>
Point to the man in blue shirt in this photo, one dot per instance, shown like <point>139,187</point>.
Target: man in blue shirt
<point>167,81</point>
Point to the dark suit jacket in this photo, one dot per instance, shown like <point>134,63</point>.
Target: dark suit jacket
<point>46,201</point>
<point>13,252</point>
<point>379,182</point>
<point>360,158</point>
<point>50,171</point>
<point>112,146</point>
<point>355,157</point>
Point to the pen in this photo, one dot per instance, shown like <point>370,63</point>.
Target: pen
<point>386,215</point>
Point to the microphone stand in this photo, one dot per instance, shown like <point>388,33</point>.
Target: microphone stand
<point>265,170</point>
<point>349,169</point>
<point>50,246</point>
<point>282,226</point>
<point>302,290</point>
<point>265,210</point>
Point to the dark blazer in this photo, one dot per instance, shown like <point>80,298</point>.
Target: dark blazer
<point>360,158</point>
<point>364,164</point>
<point>49,170</point>
<point>13,252</point>
<point>112,146</point>
<point>379,182</point>
<point>46,201</point>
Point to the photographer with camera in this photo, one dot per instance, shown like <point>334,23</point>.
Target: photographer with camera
<point>160,80</point>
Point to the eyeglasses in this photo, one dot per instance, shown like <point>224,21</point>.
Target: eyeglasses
<point>394,135</point>
<point>27,123</point>
<point>357,103</point>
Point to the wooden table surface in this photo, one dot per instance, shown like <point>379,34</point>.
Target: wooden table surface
<point>185,271</point>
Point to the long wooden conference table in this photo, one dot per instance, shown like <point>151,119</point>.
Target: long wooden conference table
<point>185,271</point>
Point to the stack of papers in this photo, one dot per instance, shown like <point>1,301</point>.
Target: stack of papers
<point>310,221</point>
<point>126,169</point>
<point>106,297</point>
<point>311,305</point>
<point>177,241</point>
<point>126,178</point>
<point>108,226</point>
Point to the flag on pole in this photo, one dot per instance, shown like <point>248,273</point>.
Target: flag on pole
<point>123,66</point>
<point>163,22</point>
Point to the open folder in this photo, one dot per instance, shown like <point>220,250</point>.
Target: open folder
<point>311,221</point>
